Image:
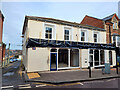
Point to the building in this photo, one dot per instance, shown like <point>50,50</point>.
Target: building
<point>119,9</point>
<point>1,32</point>
<point>110,24</point>
<point>52,44</point>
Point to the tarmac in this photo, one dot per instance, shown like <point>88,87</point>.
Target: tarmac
<point>69,76</point>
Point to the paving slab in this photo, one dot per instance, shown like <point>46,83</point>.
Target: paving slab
<point>65,76</point>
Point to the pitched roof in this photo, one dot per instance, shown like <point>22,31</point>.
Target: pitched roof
<point>88,20</point>
<point>57,21</point>
<point>110,17</point>
<point>2,15</point>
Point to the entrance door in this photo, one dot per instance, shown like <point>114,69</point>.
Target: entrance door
<point>53,62</point>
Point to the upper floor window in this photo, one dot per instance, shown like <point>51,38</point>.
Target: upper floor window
<point>115,25</point>
<point>114,40</point>
<point>95,37</point>
<point>83,34</point>
<point>118,41</point>
<point>66,34</point>
<point>48,32</point>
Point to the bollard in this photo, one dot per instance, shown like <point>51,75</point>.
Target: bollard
<point>89,71</point>
<point>117,69</point>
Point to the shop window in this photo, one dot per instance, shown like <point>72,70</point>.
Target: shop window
<point>62,58</point>
<point>102,57</point>
<point>74,58</point>
<point>110,57</point>
<point>96,57</point>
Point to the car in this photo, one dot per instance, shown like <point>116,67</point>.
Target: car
<point>11,60</point>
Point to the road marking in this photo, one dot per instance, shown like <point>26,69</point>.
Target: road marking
<point>6,87</point>
<point>24,87</point>
<point>110,80</point>
<point>80,83</point>
<point>41,85</point>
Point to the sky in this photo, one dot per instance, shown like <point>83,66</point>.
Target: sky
<point>14,13</point>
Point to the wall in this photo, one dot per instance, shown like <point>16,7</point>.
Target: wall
<point>84,58</point>
<point>114,58</point>
<point>38,60</point>
<point>36,27</point>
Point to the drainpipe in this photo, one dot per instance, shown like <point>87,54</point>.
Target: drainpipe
<point>109,33</point>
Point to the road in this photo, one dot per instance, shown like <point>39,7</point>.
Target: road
<point>13,80</point>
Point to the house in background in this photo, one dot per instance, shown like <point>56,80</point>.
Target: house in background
<point>52,44</point>
<point>110,24</point>
<point>1,32</point>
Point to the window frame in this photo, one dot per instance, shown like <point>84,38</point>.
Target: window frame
<point>53,26</point>
<point>85,35</point>
<point>70,33</point>
<point>97,37</point>
<point>65,35</point>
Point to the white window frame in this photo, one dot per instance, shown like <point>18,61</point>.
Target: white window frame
<point>86,36</point>
<point>117,41</point>
<point>116,25</point>
<point>113,25</point>
<point>67,35</point>
<point>98,38</point>
<point>70,32</point>
<point>53,26</point>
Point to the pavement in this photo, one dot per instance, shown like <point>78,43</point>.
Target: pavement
<point>70,76</point>
<point>12,78</point>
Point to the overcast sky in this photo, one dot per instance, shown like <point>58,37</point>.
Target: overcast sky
<point>14,13</point>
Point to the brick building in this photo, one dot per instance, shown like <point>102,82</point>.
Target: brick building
<point>110,24</point>
<point>1,32</point>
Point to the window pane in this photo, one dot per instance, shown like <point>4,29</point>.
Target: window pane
<point>46,35</point>
<point>91,52</point>
<point>82,39</point>
<point>67,32</point>
<point>95,35</point>
<point>82,34</point>
<point>50,36</point>
<point>66,36</point>
<point>53,50</point>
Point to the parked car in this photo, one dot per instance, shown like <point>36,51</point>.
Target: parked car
<point>11,60</point>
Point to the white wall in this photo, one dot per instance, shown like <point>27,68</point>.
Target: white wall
<point>84,58</point>
<point>37,27</point>
<point>38,60</point>
<point>114,58</point>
